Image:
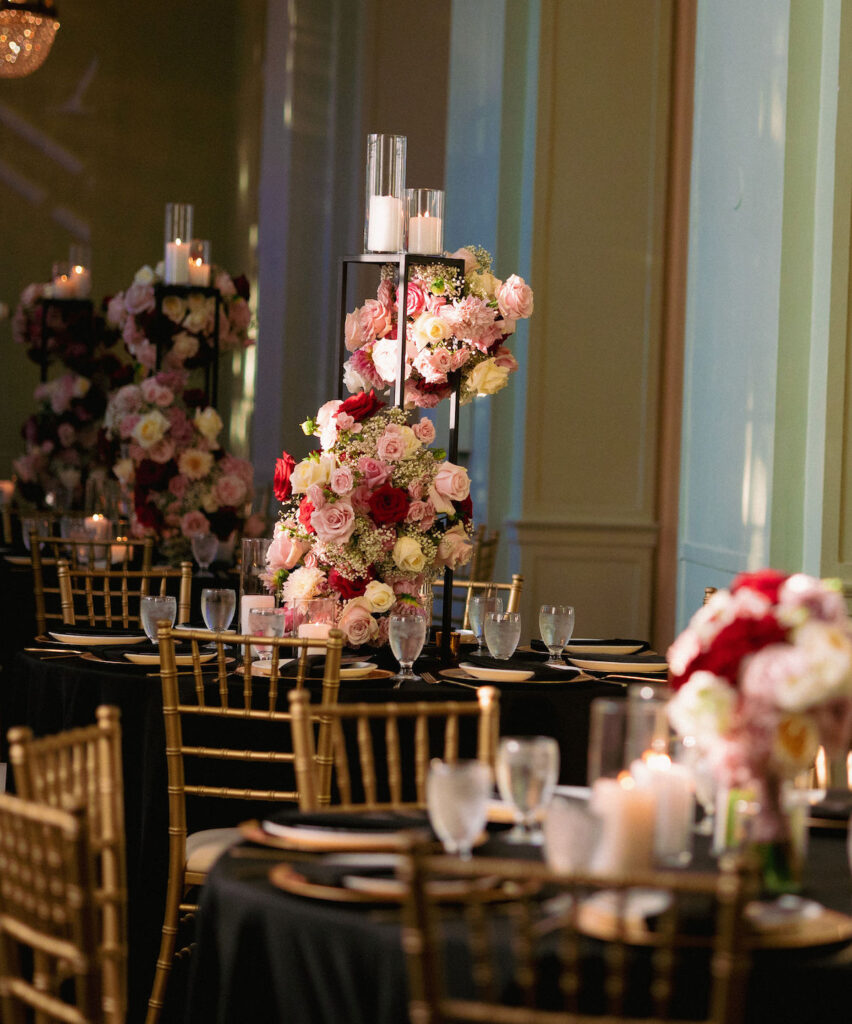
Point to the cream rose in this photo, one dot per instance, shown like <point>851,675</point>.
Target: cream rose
<point>485,285</point>
<point>379,596</point>
<point>174,307</point>
<point>455,548</point>
<point>124,470</point>
<point>428,329</point>
<point>408,555</point>
<point>309,471</point>
<point>145,275</point>
<point>487,377</point>
<point>81,387</point>
<point>195,463</point>
<point>150,428</point>
<point>452,481</point>
<point>208,423</point>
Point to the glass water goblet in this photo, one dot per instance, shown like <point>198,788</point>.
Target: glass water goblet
<point>406,635</point>
<point>153,609</point>
<point>265,622</point>
<point>527,771</point>
<point>204,548</point>
<point>217,608</point>
<point>457,795</point>
<point>556,624</point>
<point>502,633</point>
<point>480,605</point>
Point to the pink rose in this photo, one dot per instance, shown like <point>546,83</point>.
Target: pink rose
<point>434,364</point>
<point>391,446</point>
<point>415,490</point>
<point>503,357</point>
<point>128,425</point>
<point>139,298</point>
<point>434,303</point>
<point>334,522</point>
<point>180,427</point>
<point>194,522</point>
<point>452,482</point>
<point>424,431</point>
<point>360,498</point>
<point>233,466</point>
<point>515,298</point>
<point>285,552</point>
<point>116,311</point>
<point>385,293</point>
<point>470,261</point>
<point>231,490</point>
<point>315,495</point>
<point>416,511</point>
<point>423,399</point>
<point>239,314</point>
<point>153,391</point>
<point>353,331</point>
<point>345,421</point>
<point>415,299</point>
<point>162,451</point>
<point>341,481</point>
<point>325,414</point>
<point>376,319</point>
<point>375,472</point>
<point>428,520</point>
<point>66,434</point>
<point>386,358</point>
<point>178,486</point>
<point>146,354</point>
<point>357,624</point>
<point>254,526</point>
<point>455,548</point>
<point>225,285</point>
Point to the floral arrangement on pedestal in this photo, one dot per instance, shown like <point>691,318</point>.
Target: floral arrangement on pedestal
<point>185,326</point>
<point>763,674</point>
<point>70,331</point>
<point>370,517</point>
<point>168,455</point>
<point>454,323</point>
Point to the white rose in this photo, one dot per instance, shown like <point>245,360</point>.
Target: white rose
<point>428,329</point>
<point>352,380</point>
<point>408,555</point>
<point>828,650</point>
<point>184,346</point>
<point>150,429</point>
<point>795,744</point>
<point>487,378</point>
<point>412,445</point>
<point>124,470</point>
<point>174,308</point>
<point>702,707</point>
<point>144,275</point>
<point>208,423</point>
<point>308,472</point>
<point>484,285</point>
<point>379,596</point>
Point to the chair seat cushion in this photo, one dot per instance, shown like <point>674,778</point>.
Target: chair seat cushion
<point>205,847</point>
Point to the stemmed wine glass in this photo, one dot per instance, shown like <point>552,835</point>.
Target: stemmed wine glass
<point>457,796</point>
<point>527,771</point>
<point>218,607</point>
<point>480,605</point>
<point>204,548</point>
<point>556,624</point>
<point>152,609</point>
<point>407,634</point>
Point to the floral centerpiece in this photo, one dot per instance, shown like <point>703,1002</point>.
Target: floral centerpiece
<point>185,326</point>
<point>182,480</point>
<point>64,331</point>
<point>370,517</point>
<point>453,323</point>
<point>763,674</point>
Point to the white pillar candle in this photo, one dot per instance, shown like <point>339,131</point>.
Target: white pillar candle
<point>97,527</point>
<point>177,263</point>
<point>63,287</point>
<point>315,631</point>
<point>385,225</point>
<point>424,234</point>
<point>199,273</point>
<point>81,282</point>
<point>675,801</point>
<point>249,601</point>
<point>7,489</point>
<point>627,826</point>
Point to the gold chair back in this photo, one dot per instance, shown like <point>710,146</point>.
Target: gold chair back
<point>111,596</point>
<point>484,554</point>
<point>47,913</point>
<point>47,551</point>
<point>510,592</point>
<point>82,768</point>
<point>558,948</point>
<point>354,764</point>
<point>226,699</point>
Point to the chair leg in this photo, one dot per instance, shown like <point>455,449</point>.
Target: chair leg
<point>167,951</point>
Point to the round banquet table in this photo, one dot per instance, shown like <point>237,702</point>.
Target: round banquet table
<point>263,954</point>
<point>52,695</point>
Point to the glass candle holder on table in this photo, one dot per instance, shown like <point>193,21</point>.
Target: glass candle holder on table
<point>384,220</point>
<point>178,236</point>
<point>424,221</point>
<point>253,591</point>
<point>62,286</point>
<point>311,618</point>
<point>199,262</point>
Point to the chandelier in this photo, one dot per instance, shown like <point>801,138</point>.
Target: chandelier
<point>27,29</point>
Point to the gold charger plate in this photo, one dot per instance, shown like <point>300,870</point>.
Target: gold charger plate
<point>459,675</point>
<point>325,840</point>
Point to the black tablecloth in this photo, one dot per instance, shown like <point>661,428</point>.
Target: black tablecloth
<point>263,954</point>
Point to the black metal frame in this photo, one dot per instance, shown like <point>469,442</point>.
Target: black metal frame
<point>69,305</point>
<point>404,261</point>
<point>211,369</point>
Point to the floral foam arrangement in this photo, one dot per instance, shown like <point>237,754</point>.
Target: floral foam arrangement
<point>185,326</point>
<point>762,674</point>
<point>183,482</point>
<point>453,323</point>
<point>369,518</point>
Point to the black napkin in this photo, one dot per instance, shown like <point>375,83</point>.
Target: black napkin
<point>354,821</point>
<point>324,871</point>
<point>523,664</point>
<point>642,645</point>
<point>116,652</point>
<point>89,631</point>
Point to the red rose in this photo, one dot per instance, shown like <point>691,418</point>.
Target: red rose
<point>732,643</point>
<point>360,406</point>
<point>347,588</point>
<point>766,581</point>
<point>148,517</point>
<point>389,504</point>
<point>283,470</point>
<point>464,508</point>
<point>306,510</point>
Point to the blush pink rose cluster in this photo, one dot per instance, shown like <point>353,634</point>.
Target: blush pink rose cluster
<point>454,324</point>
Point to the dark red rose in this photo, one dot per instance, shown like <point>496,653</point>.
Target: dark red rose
<point>148,517</point>
<point>224,521</point>
<point>347,588</point>
<point>464,508</point>
<point>732,643</point>
<point>360,406</point>
<point>389,504</point>
<point>195,398</point>
<point>242,285</point>
<point>150,474</point>
<point>306,510</point>
<point>766,581</point>
<point>283,471</point>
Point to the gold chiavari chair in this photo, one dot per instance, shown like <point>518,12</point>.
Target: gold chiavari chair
<point>558,949</point>
<point>47,551</point>
<point>214,724</point>
<point>49,968</point>
<point>484,554</point>
<point>406,761</point>
<point>82,768</point>
<point>111,596</point>
<point>6,519</point>
<point>511,593</point>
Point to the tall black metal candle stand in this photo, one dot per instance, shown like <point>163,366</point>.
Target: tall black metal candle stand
<point>66,306</point>
<point>404,261</point>
<point>183,291</point>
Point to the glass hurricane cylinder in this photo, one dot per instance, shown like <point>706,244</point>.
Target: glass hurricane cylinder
<point>253,592</point>
<point>424,220</point>
<point>177,237</point>
<point>384,212</point>
<point>80,258</point>
<point>199,262</point>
